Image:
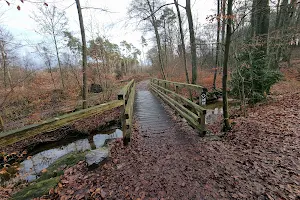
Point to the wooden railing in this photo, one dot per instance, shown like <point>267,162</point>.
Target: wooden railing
<point>127,95</point>
<point>192,112</point>
<point>125,99</point>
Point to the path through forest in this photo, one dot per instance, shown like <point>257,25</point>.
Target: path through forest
<point>259,159</point>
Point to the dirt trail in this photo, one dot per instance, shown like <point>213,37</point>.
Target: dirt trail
<point>255,161</point>
<point>259,159</point>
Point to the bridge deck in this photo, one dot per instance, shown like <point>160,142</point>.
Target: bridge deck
<point>164,162</point>
<point>150,114</point>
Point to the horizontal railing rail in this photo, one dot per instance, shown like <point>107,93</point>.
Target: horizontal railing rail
<point>125,100</point>
<point>192,112</point>
<point>13,136</point>
<point>178,86</point>
<point>127,95</point>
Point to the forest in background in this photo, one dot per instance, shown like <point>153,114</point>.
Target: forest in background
<point>243,44</point>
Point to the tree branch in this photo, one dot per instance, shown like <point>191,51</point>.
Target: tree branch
<point>161,8</point>
<point>102,9</point>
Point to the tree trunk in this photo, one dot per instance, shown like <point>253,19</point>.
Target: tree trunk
<point>192,41</point>
<point>223,23</point>
<point>58,60</point>
<point>260,17</point>
<point>225,67</point>
<point>160,57</point>
<point>4,69</point>
<point>218,46</point>
<point>84,57</point>
<point>165,45</point>
<point>182,41</point>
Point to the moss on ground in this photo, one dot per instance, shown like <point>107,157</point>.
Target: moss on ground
<point>50,178</point>
<point>36,189</point>
<point>56,169</point>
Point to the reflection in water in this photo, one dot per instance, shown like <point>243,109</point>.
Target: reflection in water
<point>212,115</point>
<point>31,168</point>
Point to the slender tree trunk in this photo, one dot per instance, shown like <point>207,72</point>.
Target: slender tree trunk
<point>225,66</point>
<point>223,21</point>
<point>165,45</point>
<point>75,75</point>
<point>84,56</point>
<point>160,57</point>
<point>58,60</point>
<point>192,41</point>
<point>218,46</point>
<point>4,70</point>
<point>182,41</point>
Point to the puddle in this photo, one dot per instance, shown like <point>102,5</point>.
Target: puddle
<point>212,115</point>
<point>215,110</point>
<point>31,168</point>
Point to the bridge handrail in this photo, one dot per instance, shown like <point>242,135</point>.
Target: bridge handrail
<point>127,94</point>
<point>13,136</point>
<point>125,99</point>
<point>183,85</point>
<point>195,116</point>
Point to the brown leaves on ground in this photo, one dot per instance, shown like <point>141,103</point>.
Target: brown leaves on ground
<point>259,159</point>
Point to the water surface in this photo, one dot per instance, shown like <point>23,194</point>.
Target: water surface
<point>31,168</point>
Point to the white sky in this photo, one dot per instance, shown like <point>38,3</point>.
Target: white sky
<point>111,25</point>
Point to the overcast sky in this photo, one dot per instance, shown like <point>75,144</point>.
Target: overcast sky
<point>112,25</point>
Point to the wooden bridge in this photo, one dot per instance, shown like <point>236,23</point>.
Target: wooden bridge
<point>150,113</point>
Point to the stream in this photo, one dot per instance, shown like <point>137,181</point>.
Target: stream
<point>30,169</point>
<point>213,112</point>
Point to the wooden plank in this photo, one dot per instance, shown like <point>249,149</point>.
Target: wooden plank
<point>129,106</point>
<point>129,111</point>
<point>183,85</point>
<point>184,109</point>
<point>124,92</point>
<point>169,101</point>
<point>10,137</point>
<point>187,101</point>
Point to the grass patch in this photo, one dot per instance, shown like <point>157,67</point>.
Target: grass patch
<point>36,189</point>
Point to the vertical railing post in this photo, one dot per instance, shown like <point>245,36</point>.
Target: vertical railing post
<point>202,122</point>
<point>176,90</point>
<point>202,97</point>
<point>122,96</point>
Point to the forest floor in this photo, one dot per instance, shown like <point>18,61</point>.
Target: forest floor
<point>258,159</point>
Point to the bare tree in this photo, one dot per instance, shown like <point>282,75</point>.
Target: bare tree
<point>84,56</point>
<point>47,58</point>
<point>7,48</point>
<point>218,44</point>
<point>52,22</point>
<point>182,41</point>
<point>144,10</point>
<point>225,66</point>
<point>192,41</point>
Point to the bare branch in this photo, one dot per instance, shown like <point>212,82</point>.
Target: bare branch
<point>168,4</point>
<point>102,9</point>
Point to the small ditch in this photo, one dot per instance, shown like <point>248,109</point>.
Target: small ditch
<point>43,155</point>
<point>215,110</point>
